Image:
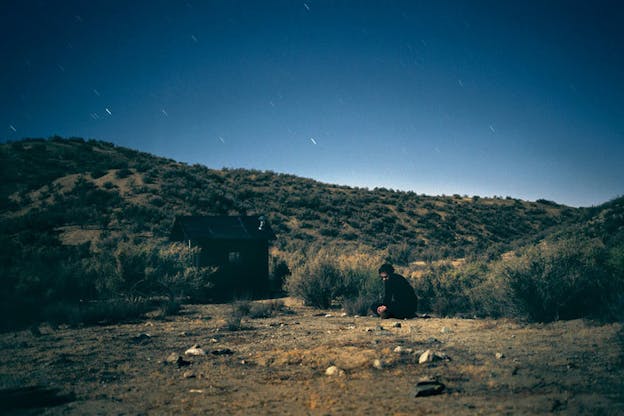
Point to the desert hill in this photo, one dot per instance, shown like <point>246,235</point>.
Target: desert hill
<point>81,189</point>
<point>84,221</point>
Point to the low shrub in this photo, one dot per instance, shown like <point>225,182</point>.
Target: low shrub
<point>564,279</point>
<point>326,278</point>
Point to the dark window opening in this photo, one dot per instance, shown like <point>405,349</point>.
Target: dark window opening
<point>234,257</point>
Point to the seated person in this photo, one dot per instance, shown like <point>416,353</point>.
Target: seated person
<point>399,299</point>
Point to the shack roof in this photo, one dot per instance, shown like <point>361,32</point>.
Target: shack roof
<point>221,228</point>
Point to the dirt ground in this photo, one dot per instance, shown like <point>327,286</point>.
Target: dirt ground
<point>278,365</point>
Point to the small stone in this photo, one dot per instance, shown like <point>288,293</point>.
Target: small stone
<point>403,350</point>
<point>333,371</point>
<point>214,340</point>
<point>445,330</point>
<point>141,338</point>
<point>344,314</point>
<point>329,315</point>
<point>425,357</point>
<point>195,350</point>
<point>397,325</point>
<point>369,329</point>
<point>499,355</point>
<point>174,358</point>
<point>430,356</point>
<point>428,388</point>
<point>224,351</point>
<point>189,374</point>
<point>378,364</point>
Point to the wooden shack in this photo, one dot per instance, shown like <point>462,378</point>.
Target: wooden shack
<point>237,245</point>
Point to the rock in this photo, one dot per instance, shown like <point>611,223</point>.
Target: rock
<point>499,355</point>
<point>329,315</point>
<point>344,314</point>
<point>445,330</point>
<point>224,351</point>
<point>396,325</point>
<point>403,350</point>
<point>430,356</point>
<point>425,357</point>
<point>195,350</point>
<point>174,358</point>
<point>189,374</point>
<point>141,338</point>
<point>378,364</point>
<point>428,388</point>
<point>333,371</point>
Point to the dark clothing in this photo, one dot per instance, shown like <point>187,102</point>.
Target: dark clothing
<point>399,297</point>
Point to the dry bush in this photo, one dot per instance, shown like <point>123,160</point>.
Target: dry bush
<point>565,279</point>
<point>326,277</point>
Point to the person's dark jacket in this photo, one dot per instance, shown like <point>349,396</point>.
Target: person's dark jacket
<point>399,296</point>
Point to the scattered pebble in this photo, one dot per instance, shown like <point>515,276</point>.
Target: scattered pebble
<point>430,356</point>
<point>195,350</point>
<point>224,351</point>
<point>446,330</point>
<point>333,371</point>
<point>403,350</point>
<point>344,314</point>
<point>189,374</point>
<point>378,364</point>
<point>141,338</point>
<point>428,388</point>
<point>174,358</point>
<point>397,325</point>
<point>329,315</point>
<point>499,355</point>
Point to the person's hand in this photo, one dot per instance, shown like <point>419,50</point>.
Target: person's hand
<point>381,309</point>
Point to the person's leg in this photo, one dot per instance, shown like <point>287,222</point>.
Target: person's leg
<point>401,312</point>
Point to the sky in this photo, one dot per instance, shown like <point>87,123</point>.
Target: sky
<point>507,98</point>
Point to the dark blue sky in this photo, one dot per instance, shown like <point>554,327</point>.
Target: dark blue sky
<point>485,98</point>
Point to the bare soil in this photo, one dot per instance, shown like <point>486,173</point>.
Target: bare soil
<point>278,365</point>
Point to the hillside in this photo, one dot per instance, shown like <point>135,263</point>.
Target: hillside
<point>82,225</point>
<point>80,190</point>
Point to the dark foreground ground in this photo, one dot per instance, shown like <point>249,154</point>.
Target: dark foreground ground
<point>278,366</point>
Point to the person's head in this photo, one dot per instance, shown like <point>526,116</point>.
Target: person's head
<point>386,270</point>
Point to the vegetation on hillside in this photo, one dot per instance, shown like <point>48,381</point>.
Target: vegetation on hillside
<point>86,220</point>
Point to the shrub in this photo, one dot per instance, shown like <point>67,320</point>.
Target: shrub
<point>564,279</point>
<point>359,305</point>
<point>326,278</point>
<point>317,282</point>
